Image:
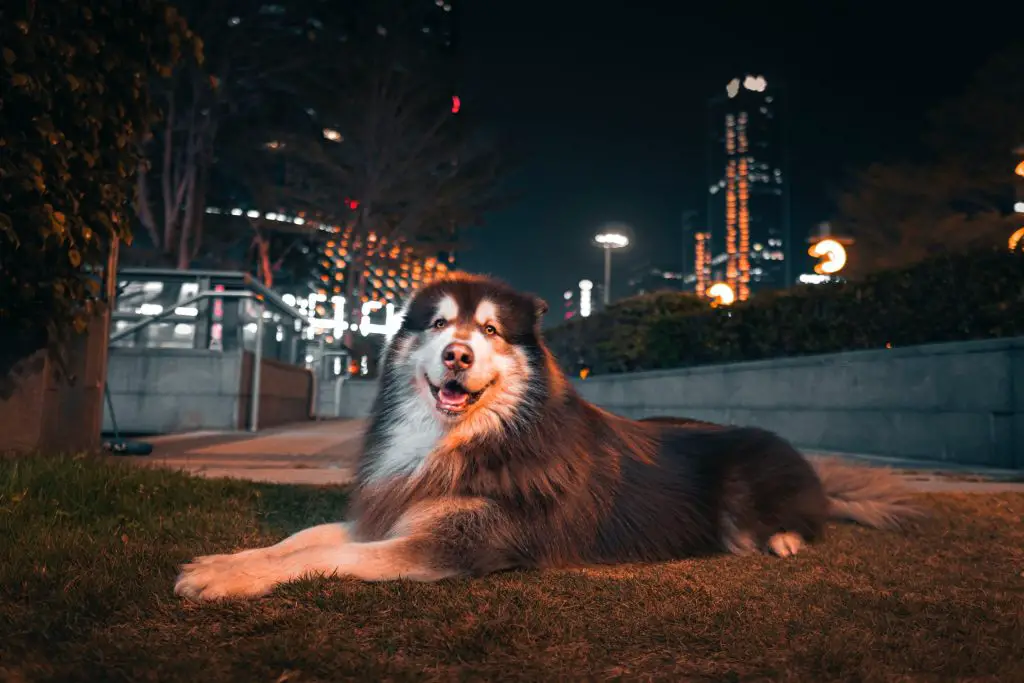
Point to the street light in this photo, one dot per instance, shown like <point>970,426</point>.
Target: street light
<point>833,256</point>
<point>721,294</point>
<point>611,237</point>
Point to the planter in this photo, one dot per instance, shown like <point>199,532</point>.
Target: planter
<point>44,414</point>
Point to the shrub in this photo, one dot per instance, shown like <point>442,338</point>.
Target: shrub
<point>75,108</point>
<point>952,297</point>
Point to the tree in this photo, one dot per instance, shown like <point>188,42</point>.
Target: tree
<point>961,196</point>
<point>200,99</point>
<point>380,136</point>
<point>76,104</point>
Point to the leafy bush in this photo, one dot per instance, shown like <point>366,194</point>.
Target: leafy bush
<point>953,297</point>
<point>75,107</point>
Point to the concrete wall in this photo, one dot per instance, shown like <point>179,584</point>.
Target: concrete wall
<point>286,393</point>
<point>157,391</point>
<point>357,397</point>
<point>959,402</point>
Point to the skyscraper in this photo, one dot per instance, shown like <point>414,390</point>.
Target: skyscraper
<point>748,193</point>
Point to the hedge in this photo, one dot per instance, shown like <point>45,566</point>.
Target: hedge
<point>75,78</point>
<point>952,297</point>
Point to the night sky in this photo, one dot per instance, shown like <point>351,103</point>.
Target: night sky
<point>607,103</point>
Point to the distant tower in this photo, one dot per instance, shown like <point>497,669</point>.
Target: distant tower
<point>702,261</point>
<point>748,193</point>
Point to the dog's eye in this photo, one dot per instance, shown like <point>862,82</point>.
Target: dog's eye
<point>440,324</point>
<point>490,330</point>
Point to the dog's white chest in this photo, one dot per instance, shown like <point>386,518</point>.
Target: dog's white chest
<point>408,443</point>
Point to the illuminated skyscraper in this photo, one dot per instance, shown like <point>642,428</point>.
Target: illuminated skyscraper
<point>748,193</point>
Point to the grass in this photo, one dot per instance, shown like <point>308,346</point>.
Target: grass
<point>88,552</point>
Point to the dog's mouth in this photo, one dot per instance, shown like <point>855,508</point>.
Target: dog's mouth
<point>452,398</point>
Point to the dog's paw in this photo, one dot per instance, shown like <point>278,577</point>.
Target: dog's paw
<point>785,544</point>
<point>228,557</point>
<point>228,578</point>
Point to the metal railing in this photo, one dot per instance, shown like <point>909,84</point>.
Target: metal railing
<point>257,360</point>
<point>214,286</point>
<point>209,324</point>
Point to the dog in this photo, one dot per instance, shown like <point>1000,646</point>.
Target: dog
<point>480,457</point>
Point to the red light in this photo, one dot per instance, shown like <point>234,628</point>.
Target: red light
<point>352,204</point>
<point>456,104</point>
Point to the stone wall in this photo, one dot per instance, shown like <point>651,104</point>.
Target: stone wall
<point>959,402</point>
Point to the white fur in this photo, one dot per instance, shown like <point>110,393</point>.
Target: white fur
<point>786,544</point>
<point>447,309</point>
<point>410,440</point>
<point>256,574</point>
<point>486,313</point>
<point>327,549</point>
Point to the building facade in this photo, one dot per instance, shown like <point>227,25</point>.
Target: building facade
<point>747,242</point>
<point>651,279</point>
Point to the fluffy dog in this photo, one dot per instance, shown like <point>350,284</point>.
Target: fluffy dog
<point>480,457</point>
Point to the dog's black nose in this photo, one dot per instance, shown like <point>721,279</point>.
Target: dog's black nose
<point>457,357</point>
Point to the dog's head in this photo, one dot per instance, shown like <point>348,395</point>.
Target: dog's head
<point>469,346</point>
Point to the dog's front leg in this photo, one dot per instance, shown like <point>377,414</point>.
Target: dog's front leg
<point>429,543</point>
<point>337,533</point>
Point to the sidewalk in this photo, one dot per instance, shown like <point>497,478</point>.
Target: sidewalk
<point>326,453</point>
<point>318,453</point>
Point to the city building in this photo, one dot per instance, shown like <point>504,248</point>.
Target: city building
<point>384,274</point>
<point>650,279</point>
<point>747,240</point>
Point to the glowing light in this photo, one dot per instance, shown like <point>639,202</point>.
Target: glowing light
<point>1015,239</point>
<point>814,278</point>
<point>584,373</point>
<point>733,88</point>
<point>1019,207</point>
<point>352,204</point>
<point>586,288</point>
<point>1020,169</point>
<point>456,104</point>
<point>333,135</point>
<point>612,240</point>
<point>833,253</point>
<point>366,327</point>
<point>755,83</point>
<point>722,294</point>
<point>703,261</point>
<point>150,309</point>
<point>190,311</point>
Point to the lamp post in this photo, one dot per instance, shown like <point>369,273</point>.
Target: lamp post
<point>612,237</point>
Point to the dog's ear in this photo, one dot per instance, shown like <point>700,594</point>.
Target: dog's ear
<point>540,307</point>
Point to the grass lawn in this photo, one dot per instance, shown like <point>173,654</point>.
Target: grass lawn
<point>88,553</point>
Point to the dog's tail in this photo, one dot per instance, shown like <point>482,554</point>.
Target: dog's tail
<point>870,496</point>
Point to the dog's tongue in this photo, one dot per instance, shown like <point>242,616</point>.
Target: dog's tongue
<point>452,397</point>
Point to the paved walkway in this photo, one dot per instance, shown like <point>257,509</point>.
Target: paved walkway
<point>307,453</point>
<point>327,452</point>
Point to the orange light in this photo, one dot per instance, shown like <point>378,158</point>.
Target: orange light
<point>584,373</point>
<point>1020,169</point>
<point>1016,238</point>
<point>722,294</point>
